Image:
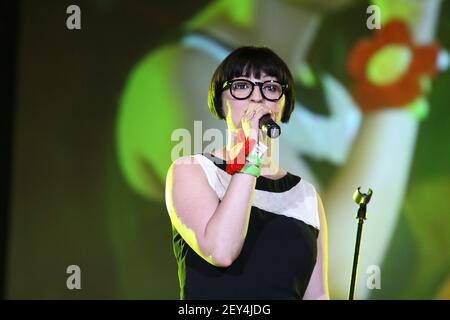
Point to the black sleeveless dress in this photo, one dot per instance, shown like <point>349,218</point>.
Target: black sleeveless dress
<point>276,261</point>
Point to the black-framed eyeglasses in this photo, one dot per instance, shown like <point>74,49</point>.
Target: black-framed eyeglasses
<point>241,89</point>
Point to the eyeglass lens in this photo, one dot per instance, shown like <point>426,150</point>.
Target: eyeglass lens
<point>242,89</point>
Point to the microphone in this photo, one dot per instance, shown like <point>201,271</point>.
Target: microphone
<point>269,126</point>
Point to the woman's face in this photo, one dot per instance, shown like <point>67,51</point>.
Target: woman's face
<point>234,108</point>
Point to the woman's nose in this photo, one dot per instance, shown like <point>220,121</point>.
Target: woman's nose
<point>256,95</point>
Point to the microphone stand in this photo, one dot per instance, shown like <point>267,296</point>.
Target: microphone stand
<point>362,200</point>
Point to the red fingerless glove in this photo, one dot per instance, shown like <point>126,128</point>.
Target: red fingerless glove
<point>239,153</point>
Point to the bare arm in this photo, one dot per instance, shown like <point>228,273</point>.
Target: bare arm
<point>215,229</point>
<point>318,284</point>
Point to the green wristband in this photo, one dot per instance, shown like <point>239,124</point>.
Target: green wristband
<point>255,160</point>
<point>251,170</point>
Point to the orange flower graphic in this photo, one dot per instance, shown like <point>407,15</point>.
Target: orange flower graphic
<point>389,70</point>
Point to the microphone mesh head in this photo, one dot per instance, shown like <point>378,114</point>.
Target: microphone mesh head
<point>274,132</point>
<point>269,127</point>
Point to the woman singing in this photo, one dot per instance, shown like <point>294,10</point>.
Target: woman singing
<point>243,227</point>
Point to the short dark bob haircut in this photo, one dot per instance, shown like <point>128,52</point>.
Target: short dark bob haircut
<point>247,61</point>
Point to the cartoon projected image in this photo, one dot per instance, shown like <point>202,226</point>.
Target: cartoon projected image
<point>366,136</point>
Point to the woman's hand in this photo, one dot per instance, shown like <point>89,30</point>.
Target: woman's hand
<point>250,120</point>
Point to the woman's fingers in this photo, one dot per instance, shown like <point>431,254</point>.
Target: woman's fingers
<point>251,118</point>
<point>259,112</point>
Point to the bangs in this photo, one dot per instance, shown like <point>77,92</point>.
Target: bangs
<point>253,65</point>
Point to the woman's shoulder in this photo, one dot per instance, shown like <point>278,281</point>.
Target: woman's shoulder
<point>186,168</point>
<point>197,159</point>
<point>304,201</point>
<point>192,165</point>
<point>304,189</point>
<point>308,185</point>
<point>194,172</point>
<point>185,160</point>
